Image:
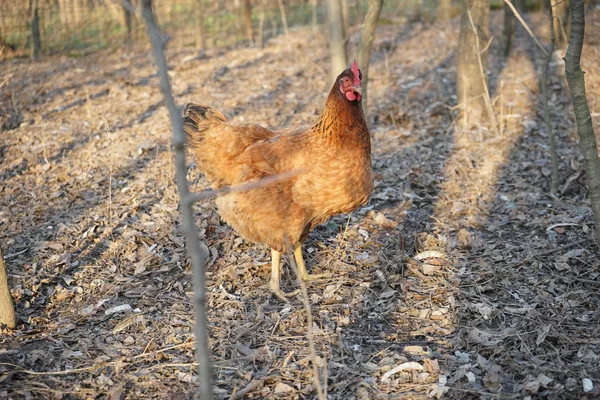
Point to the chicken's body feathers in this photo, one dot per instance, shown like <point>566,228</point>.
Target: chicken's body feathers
<point>332,155</point>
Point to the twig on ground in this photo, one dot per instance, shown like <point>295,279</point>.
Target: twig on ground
<point>196,249</point>
<point>255,384</point>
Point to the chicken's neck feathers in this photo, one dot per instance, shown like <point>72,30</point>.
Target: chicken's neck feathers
<point>342,122</point>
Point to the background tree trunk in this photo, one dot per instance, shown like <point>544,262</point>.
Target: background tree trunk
<point>444,10</point>
<point>508,33</point>
<point>367,35</point>
<point>201,40</point>
<point>128,22</point>
<point>337,44</point>
<point>313,4</point>
<point>248,22</point>
<point>585,128</point>
<point>561,23</point>
<point>283,16</point>
<point>35,32</point>
<point>471,85</point>
<point>7,310</point>
<point>345,18</point>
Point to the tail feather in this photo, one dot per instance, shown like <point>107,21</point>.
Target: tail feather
<point>197,118</point>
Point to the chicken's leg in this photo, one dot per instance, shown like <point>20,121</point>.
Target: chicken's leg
<point>304,275</point>
<point>275,275</point>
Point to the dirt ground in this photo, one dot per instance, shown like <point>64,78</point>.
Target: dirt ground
<point>463,270</point>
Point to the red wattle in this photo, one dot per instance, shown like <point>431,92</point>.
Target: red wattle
<point>350,96</point>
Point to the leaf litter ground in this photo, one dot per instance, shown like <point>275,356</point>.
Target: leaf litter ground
<point>462,278</point>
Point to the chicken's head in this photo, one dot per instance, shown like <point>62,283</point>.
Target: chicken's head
<point>351,82</point>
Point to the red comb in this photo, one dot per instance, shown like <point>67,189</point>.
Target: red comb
<point>356,73</point>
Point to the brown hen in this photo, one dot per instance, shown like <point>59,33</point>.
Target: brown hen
<point>333,156</point>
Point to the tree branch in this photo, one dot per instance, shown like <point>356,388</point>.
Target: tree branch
<point>196,250</point>
<point>514,10</point>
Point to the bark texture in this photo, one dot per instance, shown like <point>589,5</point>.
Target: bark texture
<point>585,129</point>
<point>7,310</point>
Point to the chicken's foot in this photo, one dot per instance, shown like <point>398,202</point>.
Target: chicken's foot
<point>304,275</point>
<point>275,275</point>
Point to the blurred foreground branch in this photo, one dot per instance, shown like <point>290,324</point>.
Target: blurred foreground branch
<point>198,255</point>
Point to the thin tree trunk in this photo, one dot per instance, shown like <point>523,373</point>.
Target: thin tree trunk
<point>35,30</point>
<point>444,10</point>
<point>471,85</point>
<point>546,95</point>
<point>337,44</point>
<point>367,35</point>
<point>509,30</point>
<point>248,22</point>
<point>7,310</point>
<point>128,22</point>
<point>194,246</point>
<point>359,16</point>
<point>201,41</point>
<point>261,28</point>
<point>283,16</point>
<point>313,4</point>
<point>585,128</point>
<point>345,18</point>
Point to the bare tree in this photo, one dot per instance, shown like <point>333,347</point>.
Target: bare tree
<point>313,4</point>
<point>444,10</point>
<point>471,83</point>
<point>7,310</point>
<point>545,96</point>
<point>345,18</point>
<point>127,13</point>
<point>35,31</point>
<point>283,16</point>
<point>195,247</point>
<point>585,128</point>
<point>201,40</point>
<point>248,22</point>
<point>561,22</point>
<point>337,43</point>
<point>367,35</point>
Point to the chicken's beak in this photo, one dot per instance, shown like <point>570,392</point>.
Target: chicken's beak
<point>357,89</point>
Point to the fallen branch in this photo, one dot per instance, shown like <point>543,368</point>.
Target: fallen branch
<point>196,249</point>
